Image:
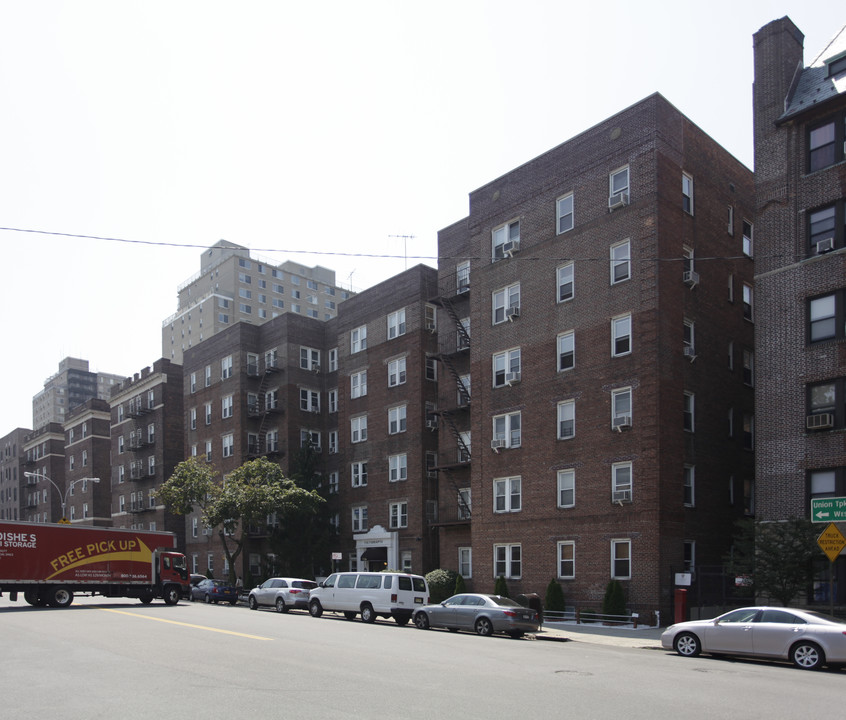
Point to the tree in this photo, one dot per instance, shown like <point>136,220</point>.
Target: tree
<point>192,485</point>
<point>614,602</point>
<point>778,556</point>
<point>441,584</point>
<point>460,585</point>
<point>501,587</point>
<point>554,600</point>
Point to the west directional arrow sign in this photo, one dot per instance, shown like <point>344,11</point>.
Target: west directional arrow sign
<point>826,510</point>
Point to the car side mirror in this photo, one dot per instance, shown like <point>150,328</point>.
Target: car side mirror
<point>320,584</point>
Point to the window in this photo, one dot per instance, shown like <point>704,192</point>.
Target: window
<point>506,303</point>
<point>621,262</point>
<point>310,438</point>
<point>618,185</point>
<point>465,562</point>
<point>192,415</point>
<point>507,561</point>
<point>564,212</point>
<point>309,400</point>
<point>309,358</point>
<point>826,317</point>
<point>151,465</point>
<point>396,372</point>
<point>359,518</point>
<point>333,482</point>
<point>730,219</point>
<point>462,277</point>
<point>228,445</point>
<point>398,467</point>
<point>825,145</point>
<point>396,420</point>
<point>430,317</point>
<point>358,429</point>
<point>358,384</point>
<point>567,350</point>
<point>359,474</point>
<point>567,559</point>
<point>621,408</point>
<point>566,488</point>
<point>399,515</point>
<point>226,368</point>
<point>689,338</point>
<point>506,431</point>
<point>504,240</point>
<point>226,407</point>
<point>333,360</point>
<point>507,494</point>
<point>689,486</point>
<point>272,441</point>
<point>208,450</point>
<point>621,482</point>
<point>748,431</point>
<point>749,368</point>
<point>396,324</point>
<point>688,412</point>
<point>333,400</point>
<point>747,302</point>
<point>506,367</point>
<point>193,387</point>
<point>566,419</point>
<point>565,282</point>
<point>687,193</point>
<point>827,399</point>
<point>621,559</point>
<point>748,245</point>
<point>432,368</point>
<point>271,399</point>
<point>621,335</point>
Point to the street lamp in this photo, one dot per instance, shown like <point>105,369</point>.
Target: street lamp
<point>62,495</point>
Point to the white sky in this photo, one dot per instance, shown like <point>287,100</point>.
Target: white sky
<point>288,126</point>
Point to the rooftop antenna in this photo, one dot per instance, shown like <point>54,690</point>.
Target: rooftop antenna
<point>405,239</point>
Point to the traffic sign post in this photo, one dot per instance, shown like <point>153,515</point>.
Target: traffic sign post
<point>828,510</point>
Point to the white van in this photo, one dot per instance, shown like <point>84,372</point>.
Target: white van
<point>395,595</point>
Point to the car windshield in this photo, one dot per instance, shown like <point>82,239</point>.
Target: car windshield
<point>304,584</point>
<point>503,601</point>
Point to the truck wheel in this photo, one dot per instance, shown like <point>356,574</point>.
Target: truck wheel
<point>60,597</point>
<point>31,596</point>
<point>146,599</point>
<point>367,613</point>
<point>315,609</point>
<point>171,595</point>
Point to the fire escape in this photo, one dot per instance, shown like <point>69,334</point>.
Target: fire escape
<point>264,408</point>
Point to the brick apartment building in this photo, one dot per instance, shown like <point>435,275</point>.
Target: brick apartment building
<point>146,445</point>
<point>87,456</point>
<point>600,299</point>
<point>800,279</point>
<point>12,473</point>
<point>43,482</point>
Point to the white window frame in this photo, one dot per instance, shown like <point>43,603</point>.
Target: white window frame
<point>333,400</point>
<point>509,559</point>
<point>507,232</point>
<point>566,415</point>
<point>309,358</point>
<point>227,406</point>
<point>358,429</point>
<point>358,384</point>
<point>689,412</point>
<point>508,494</point>
<point>358,473</point>
<point>689,485</point>
<point>396,324</point>
<point>616,573</point>
<point>621,257</point>
<point>226,367</point>
<point>505,363</point>
<point>465,562</point>
<point>462,277</point>
<point>309,400</point>
<point>397,419</point>
<point>622,480</point>
<point>398,467</point>
<point>566,489</point>
<point>507,433</point>
<point>565,276</point>
<point>503,300</point>
<point>621,329</point>
<point>228,442</point>
<point>359,518</point>
<point>621,404</point>
<point>564,213</point>
<point>398,515</point>
<point>614,185</point>
<point>566,348</point>
<point>748,245</point>
<point>568,571</point>
<point>687,193</point>
<point>397,372</point>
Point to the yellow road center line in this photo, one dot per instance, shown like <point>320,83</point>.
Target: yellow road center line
<point>183,624</point>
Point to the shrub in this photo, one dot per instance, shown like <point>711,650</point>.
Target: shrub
<point>460,587</point>
<point>614,602</point>
<point>501,587</point>
<point>441,584</point>
<point>554,600</point>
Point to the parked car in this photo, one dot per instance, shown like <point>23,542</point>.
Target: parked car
<point>384,594</point>
<point>282,593</point>
<point>808,639</point>
<point>194,580</point>
<point>213,591</point>
<point>486,614</point>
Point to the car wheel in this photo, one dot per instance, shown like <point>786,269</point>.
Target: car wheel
<point>484,626</point>
<point>253,602</point>
<point>687,644</point>
<point>421,620</point>
<point>207,599</point>
<point>280,605</point>
<point>350,614</point>
<point>367,613</point>
<point>807,655</point>
<point>315,609</point>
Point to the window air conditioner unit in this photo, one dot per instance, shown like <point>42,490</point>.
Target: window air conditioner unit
<point>512,312</point>
<point>623,422</point>
<point>497,444</point>
<point>315,367</point>
<point>463,287</point>
<point>207,531</point>
<point>512,378</point>
<point>316,410</point>
<point>820,421</point>
<point>618,200</point>
<point>432,474</point>
<point>431,327</point>
<point>690,353</point>
<point>432,424</point>
<point>511,247</point>
<point>621,496</point>
<point>825,246</point>
<point>690,278</point>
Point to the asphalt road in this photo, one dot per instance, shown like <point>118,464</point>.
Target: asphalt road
<point>117,658</point>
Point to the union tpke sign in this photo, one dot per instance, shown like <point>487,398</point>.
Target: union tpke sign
<point>827,510</point>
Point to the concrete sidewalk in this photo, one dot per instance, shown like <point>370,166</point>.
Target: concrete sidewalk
<point>620,636</point>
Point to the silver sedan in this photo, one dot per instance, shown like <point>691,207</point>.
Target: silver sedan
<point>486,614</point>
<point>808,639</point>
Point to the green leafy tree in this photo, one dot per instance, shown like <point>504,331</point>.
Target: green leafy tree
<point>614,602</point>
<point>193,485</point>
<point>778,556</point>
<point>554,600</point>
<point>501,587</point>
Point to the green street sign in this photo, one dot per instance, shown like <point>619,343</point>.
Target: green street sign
<point>826,510</point>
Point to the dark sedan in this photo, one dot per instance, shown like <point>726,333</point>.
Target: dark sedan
<point>486,614</point>
<point>213,591</point>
